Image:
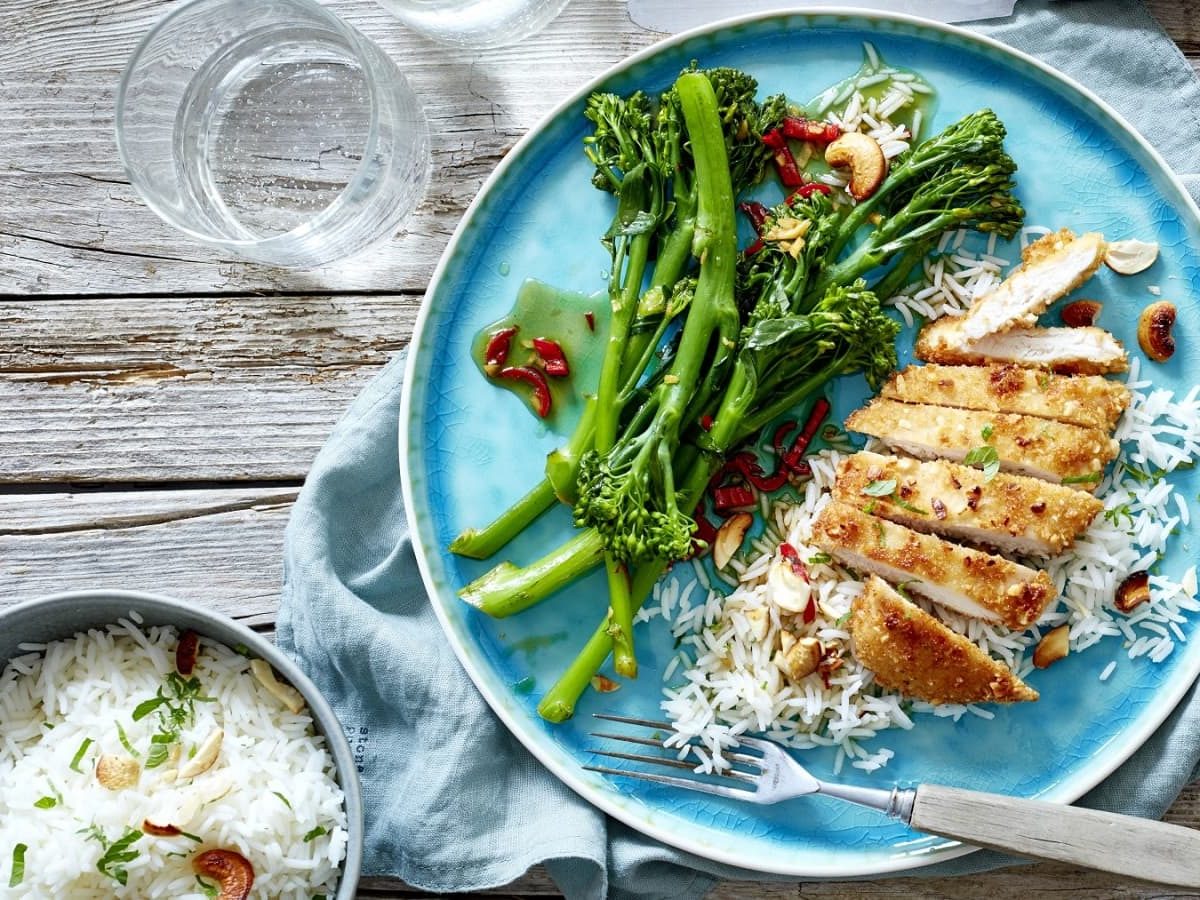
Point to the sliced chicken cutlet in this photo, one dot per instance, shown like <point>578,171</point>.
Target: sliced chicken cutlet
<point>972,582</point>
<point>1087,400</point>
<point>1039,448</point>
<point>1067,351</point>
<point>910,651</point>
<point>1053,267</point>
<point>1012,513</point>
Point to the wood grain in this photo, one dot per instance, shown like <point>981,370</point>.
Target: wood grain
<point>184,389</point>
<point>219,548</point>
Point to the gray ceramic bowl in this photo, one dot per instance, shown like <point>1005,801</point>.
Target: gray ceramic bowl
<point>62,615</point>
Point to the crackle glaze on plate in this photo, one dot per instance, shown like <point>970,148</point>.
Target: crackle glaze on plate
<point>469,449</point>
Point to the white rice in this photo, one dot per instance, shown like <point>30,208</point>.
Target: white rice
<point>58,695</point>
<point>726,682</point>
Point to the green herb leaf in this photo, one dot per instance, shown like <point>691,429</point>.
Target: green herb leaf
<point>904,504</point>
<point>869,507</point>
<point>820,559</point>
<point>125,743</point>
<point>880,488</point>
<point>242,650</point>
<point>842,620</point>
<point>988,431</point>
<point>985,458</point>
<point>283,798</point>
<point>117,854</point>
<point>192,837</point>
<point>902,588</point>
<point>879,533</point>
<point>46,803</point>
<point>210,890</point>
<point>315,833</point>
<point>18,865</point>
<point>146,707</point>
<point>1090,478</point>
<point>83,748</point>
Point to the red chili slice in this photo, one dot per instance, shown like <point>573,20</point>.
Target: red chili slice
<point>591,320</point>
<point>705,533</point>
<point>733,497</point>
<point>554,361</point>
<point>801,129</point>
<point>819,411</point>
<point>755,212</point>
<point>785,162</point>
<point>706,422</point>
<point>792,555</point>
<point>186,651</point>
<point>496,353</point>
<point>809,188</point>
<point>540,398</point>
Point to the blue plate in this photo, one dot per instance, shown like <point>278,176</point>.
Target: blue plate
<point>468,449</point>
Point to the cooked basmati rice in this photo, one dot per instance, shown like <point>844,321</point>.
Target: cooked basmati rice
<point>271,795</point>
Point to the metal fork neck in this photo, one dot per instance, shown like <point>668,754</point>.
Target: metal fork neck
<point>896,803</point>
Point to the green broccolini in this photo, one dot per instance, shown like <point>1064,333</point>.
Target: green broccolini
<point>757,338</point>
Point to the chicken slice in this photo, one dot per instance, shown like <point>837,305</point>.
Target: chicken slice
<point>910,651</point>
<point>1068,351</point>
<point>972,582</point>
<point>1012,513</point>
<point>1053,267</point>
<point>1087,400</point>
<point>1039,448</point>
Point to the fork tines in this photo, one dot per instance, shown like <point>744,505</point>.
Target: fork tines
<point>669,762</point>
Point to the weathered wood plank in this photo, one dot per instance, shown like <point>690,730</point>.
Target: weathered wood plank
<point>184,389</point>
<point>71,223</point>
<point>219,548</point>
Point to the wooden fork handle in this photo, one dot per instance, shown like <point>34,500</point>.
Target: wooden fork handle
<point>1124,845</point>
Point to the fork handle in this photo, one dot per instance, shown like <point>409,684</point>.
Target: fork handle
<point>1124,845</point>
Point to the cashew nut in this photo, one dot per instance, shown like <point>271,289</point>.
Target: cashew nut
<point>288,695</point>
<point>729,538</point>
<point>1154,330</point>
<point>117,772</point>
<point>232,872</point>
<point>863,155</point>
<point>206,755</point>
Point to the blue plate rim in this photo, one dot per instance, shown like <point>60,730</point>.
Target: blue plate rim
<point>570,772</point>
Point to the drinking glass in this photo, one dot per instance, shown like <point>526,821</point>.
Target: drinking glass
<point>271,129</point>
<point>479,24</point>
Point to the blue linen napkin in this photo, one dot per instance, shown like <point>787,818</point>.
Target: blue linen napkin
<point>453,802</point>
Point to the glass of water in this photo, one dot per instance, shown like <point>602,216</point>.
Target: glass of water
<point>476,23</point>
<point>272,130</point>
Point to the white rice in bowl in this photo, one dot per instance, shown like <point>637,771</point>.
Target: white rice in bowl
<point>271,795</point>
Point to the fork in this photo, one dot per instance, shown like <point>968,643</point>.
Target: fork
<point>1124,845</point>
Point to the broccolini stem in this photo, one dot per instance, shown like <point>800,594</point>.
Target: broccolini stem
<point>620,617</point>
<point>482,543</point>
<point>507,589</point>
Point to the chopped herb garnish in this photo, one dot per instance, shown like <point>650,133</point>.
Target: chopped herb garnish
<point>210,890</point>
<point>176,708</point>
<point>880,488</point>
<point>178,853</point>
<point>902,588</point>
<point>842,620</point>
<point>192,837</point>
<point>879,534</point>
<point>116,854</point>
<point>49,726</point>
<point>315,833</point>
<point>904,504</point>
<point>18,865</point>
<point>242,650</point>
<point>820,559</point>
<point>1090,478</point>
<point>986,458</point>
<point>869,507</point>
<point>283,798</point>
<point>83,748</point>
<point>46,803</point>
<point>125,742</point>
<point>1043,381</point>
<point>988,431</point>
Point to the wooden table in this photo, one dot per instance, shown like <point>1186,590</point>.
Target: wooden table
<point>161,403</point>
